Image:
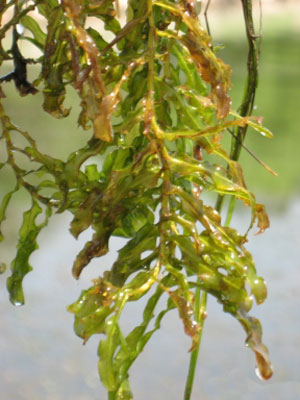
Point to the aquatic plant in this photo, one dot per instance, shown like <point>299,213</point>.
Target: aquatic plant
<point>156,98</point>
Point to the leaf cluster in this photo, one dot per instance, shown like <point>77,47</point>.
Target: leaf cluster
<point>156,98</point>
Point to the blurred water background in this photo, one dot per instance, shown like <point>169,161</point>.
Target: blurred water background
<point>40,356</point>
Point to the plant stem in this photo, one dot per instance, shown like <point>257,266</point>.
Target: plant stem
<point>200,307</point>
<point>247,104</point>
<point>111,395</point>
<point>230,211</point>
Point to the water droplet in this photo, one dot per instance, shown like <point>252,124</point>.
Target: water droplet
<point>20,29</point>
<point>204,314</point>
<point>264,376</point>
<point>18,303</point>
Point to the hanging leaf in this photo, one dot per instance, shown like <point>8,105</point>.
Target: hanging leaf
<point>26,246</point>
<point>33,26</point>
<point>154,98</point>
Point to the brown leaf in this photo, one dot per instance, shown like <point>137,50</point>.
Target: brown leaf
<point>253,329</point>
<point>262,218</point>
<point>185,310</point>
<point>211,68</point>
<point>96,247</point>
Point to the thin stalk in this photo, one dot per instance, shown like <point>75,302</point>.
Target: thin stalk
<point>230,211</point>
<point>247,104</point>
<point>200,308</point>
<point>111,395</point>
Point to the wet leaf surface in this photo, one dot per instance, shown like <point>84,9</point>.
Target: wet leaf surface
<point>156,100</point>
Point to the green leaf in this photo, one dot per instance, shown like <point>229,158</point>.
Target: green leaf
<point>96,247</point>
<point>193,78</point>
<point>84,213</point>
<point>46,7</point>
<point>129,259</point>
<point>32,25</point>
<point>256,126</point>
<point>26,246</point>
<point>55,58</point>
<point>4,204</point>
<point>91,310</point>
<point>134,221</point>
<point>107,348</point>
<point>98,39</point>
<point>92,172</point>
<point>261,129</point>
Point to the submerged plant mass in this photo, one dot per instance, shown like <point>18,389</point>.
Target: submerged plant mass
<point>156,98</point>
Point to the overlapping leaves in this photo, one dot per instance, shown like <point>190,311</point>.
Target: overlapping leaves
<point>157,99</point>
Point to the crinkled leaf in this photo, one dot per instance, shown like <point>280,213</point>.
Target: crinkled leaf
<point>32,25</point>
<point>91,309</point>
<point>96,247</point>
<point>253,329</point>
<point>84,214</point>
<point>186,313</point>
<point>53,66</point>
<point>134,221</point>
<point>107,348</point>
<point>27,244</point>
<point>129,259</point>
<point>4,204</point>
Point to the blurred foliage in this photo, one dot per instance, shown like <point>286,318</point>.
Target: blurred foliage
<point>156,99</point>
<point>276,99</point>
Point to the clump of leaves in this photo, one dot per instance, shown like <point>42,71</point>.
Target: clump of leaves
<point>157,100</point>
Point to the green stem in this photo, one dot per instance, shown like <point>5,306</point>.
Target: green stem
<point>111,395</point>
<point>200,308</point>
<point>230,211</point>
<point>247,103</point>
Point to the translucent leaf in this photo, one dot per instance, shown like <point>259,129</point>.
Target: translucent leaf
<point>193,79</point>
<point>53,66</point>
<point>134,221</point>
<point>32,25</point>
<point>96,247</point>
<point>107,348</point>
<point>185,311</point>
<point>4,204</point>
<point>98,39</point>
<point>129,259</point>
<point>256,126</point>
<point>91,310</point>
<point>84,214</point>
<point>27,244</point>
<point>92,172</point>
<point>253,329</point>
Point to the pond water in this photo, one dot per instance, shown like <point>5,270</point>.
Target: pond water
<point>41,358</point>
